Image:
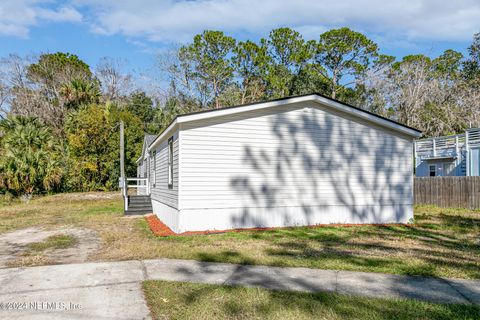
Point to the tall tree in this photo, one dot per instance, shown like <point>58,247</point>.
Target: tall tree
<point>470,86</point>
<point>115,84</point>
<point>53,70</point>
<point>42,96</point>
<point>80,92</point>
<point>13,82</point>
<point>4,97</point>
<point>343,53</point>
<point>250,61</point>
<point>287,52</point>
<point>141,106</point>
<point>472,63</point>
<point>309,80</point>
<point>93,146</point>
<point>210,53</point>
<point>424,92</point>
<point>408,86</point>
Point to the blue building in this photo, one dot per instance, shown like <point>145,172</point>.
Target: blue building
<point>456,155</point>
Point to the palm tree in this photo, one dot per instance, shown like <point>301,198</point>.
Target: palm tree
<point>80,92</point>
<point>29,159</point>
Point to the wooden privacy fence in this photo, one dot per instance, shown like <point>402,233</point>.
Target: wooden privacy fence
<point>461,192</point>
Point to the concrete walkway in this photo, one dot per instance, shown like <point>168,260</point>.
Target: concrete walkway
<point>112,290</point>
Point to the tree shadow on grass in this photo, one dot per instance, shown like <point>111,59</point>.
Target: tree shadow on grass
<point>231,302</point>
<point>366,248</point>
<point>225,256</point>
<point>459,221</point>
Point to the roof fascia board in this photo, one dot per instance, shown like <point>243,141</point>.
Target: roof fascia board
<point>165,133</point>
<point>143,155</point>
<point>368,116</point>
<point>324,101</point>
<point>241,109</point>
<point>143,152</point>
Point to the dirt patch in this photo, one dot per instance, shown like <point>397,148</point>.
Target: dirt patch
<point>95,196</point>
<point>89,196</point>
<point>15,247</point>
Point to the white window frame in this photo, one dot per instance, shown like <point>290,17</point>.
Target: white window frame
<point>154,175</point>
<point>434,170</point>
<point>170,162</point>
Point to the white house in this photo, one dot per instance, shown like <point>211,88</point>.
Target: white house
<point>294,161</point>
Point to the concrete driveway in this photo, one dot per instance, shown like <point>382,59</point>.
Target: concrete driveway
<point>112,290</point>
<point>74,291</point>
<point>15,244</point>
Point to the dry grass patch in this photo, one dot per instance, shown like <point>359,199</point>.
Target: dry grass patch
<point>30,261</point>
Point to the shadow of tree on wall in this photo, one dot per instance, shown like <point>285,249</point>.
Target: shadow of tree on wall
<point>359,164</point>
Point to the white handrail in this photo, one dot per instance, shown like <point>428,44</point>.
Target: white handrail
<point>125,194</point>
<point>142,184</point>
<point>137,179</point>
<point>137,185</point>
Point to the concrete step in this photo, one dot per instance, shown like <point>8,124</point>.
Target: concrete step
<point>140,209</point>
<point>142,203</point>
<point>137,212</point>
<point>139,205</point>
<point>139,198</point>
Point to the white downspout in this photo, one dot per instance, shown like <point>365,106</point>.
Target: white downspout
<point>415,157</point>
<point>148,168</point>
<point>458,157</point>
<point>467,155</point>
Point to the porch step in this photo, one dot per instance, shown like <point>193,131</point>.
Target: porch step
<point>139,205</point>
<point>141,201</point>
<point>131,212</point>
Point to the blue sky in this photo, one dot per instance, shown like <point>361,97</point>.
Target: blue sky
<point>135,31</point>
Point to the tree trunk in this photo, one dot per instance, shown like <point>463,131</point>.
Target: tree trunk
<point>215,93</point>
<point>334,84</point>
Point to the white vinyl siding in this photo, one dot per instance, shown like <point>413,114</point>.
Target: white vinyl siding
<point>161,192</point>
<point>301,156</point>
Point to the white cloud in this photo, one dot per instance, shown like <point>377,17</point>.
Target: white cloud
<point>178,20</point>
<point>18,16</point>
<point>170,20</point>
<point>64,14</point>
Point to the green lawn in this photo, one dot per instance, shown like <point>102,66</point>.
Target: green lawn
<point>177,300</point>
<point>442,242</point>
